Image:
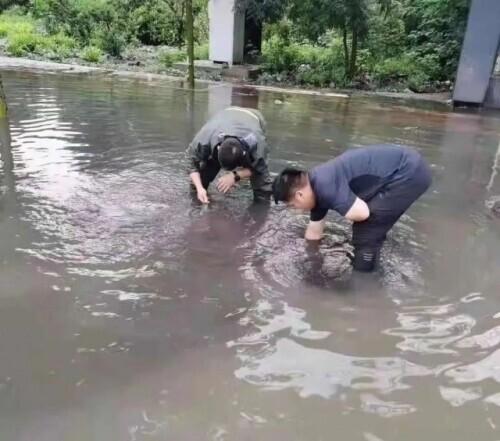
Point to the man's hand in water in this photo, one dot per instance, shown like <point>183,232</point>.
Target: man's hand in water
<point>203,196</point>
<point>314,230</point>
<point>225,183</point>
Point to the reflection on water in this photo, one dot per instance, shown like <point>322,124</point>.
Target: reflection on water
<point>130,312</point>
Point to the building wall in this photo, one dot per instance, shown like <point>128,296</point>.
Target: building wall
<point>226,29</point>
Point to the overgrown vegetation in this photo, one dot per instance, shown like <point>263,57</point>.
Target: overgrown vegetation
<point>92,54</point>
<point>394,44</point>
<point>24,37</point>
<point>398,44</point>
<point>109,25</point>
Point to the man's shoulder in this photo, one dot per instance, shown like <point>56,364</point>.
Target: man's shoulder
<point>246,110</point>
<point>375,149</point>
<point>326,169</point>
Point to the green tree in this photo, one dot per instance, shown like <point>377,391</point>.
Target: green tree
<point>263,11</point>
<point>313,18</point>
<point>350,17</point>
<point>435,29</point>
<point>6,4</point>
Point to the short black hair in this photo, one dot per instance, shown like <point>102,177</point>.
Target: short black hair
<point>287,183</point>
<point>231,154</point>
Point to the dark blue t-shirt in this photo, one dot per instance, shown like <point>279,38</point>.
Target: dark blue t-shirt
<point>359,173</point>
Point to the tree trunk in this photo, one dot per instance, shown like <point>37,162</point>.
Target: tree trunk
<point>190,42</point>
<point>3,101</point>
<point>346,51</point>
<point>354,54</point>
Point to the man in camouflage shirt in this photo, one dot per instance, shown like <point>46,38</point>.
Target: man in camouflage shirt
<point>234,140</point>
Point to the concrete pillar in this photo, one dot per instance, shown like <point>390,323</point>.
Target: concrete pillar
<point>479,52</point>
<point>227,32</point>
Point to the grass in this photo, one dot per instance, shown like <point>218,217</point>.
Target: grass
<point>169,57</point>
<point>13,24</point>
<point>92,54</point>
<point>25,37</point>
<point>201,52</point>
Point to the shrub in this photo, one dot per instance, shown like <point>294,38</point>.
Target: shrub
<point>112,42</point>
<point>81,19</point>
<point>8,4</point>
<point>22,44</point>
<point>304,63</point>
<point>279,55</point>
<point>91,22</point>
<point>56,46</point>
<point>24,38</point>
<point>153,23</point>
<point>168,57</point>
<point>394,69</point>
<point>416,72</point>
<point>201,52</point>
<point>92,54</point>
<point>12,24</point>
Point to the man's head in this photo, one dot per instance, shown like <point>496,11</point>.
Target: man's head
<point>292,186</point>
<point>231,154</point>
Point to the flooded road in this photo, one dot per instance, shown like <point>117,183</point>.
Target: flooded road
<point>129,312</point>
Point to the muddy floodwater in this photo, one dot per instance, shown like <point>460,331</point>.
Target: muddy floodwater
<point>130,312</point>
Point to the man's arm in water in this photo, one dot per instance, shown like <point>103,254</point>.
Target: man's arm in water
<point>314,230</point>
<point>194,160</point>
<point>359,212</point>
<point>196,179</point>
<point>200,190</point>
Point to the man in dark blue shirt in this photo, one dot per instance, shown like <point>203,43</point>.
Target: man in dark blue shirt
<point>371,186</point>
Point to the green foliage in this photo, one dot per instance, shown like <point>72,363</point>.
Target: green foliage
<point>436,28</point>
<point>268,11</point>
<point>279,55</point>
<point>81,19</point>
<point>20,32</point>
<point>57,47</point>
<point>401,43</point>
<point>13,24</point>
<point>8,4</point>
<point>304,63</point>
<point>22,44</point>
<point>386,34</point>
<point>201,24</point>
<point>92,54</point>
<point>97,22</point>
<point>410,69</point>
<point>370,43</point>
<point>23,37</point>
<point>168,57</point>
<point>111,41</point>
<point>201,52</point>
<point>153,23</point>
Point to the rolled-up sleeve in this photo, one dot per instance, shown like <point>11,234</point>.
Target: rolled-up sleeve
<point>192,159</point>
<point>198,148</point>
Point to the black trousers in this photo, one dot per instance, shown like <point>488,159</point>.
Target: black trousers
<point>386,207</point>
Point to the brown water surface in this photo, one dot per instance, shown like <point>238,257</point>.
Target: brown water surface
<point>128,312</point>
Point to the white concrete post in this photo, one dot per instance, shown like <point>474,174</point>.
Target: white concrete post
<point>227,32</point>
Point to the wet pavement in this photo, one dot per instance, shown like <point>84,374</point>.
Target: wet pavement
<point>130,312</point>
